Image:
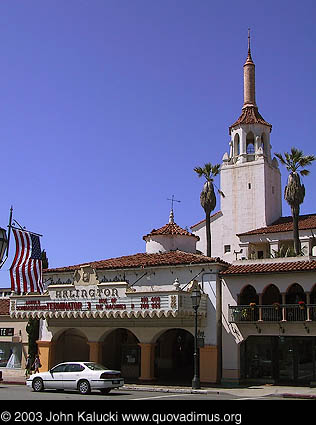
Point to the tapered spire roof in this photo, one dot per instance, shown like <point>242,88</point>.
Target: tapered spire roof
<point>250,113</point>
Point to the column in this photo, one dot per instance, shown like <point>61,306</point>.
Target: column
<point>308,301</point>
<point>260,307</point>
<point>208,363</point>
<point>45,354</point>
<point>274,247</point>
<point>147,361</point>
<point>283,308</point>
<point>95,352</point>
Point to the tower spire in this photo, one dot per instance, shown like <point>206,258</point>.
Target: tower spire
<point>249,79</point>
<point>249,50</point>
<point>250,113</point>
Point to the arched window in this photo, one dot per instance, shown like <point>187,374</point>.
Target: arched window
<point>312,300</point>
<point>248,295</point>
<point>271,295</point>
<point>250,143</point>
<point>313,295</point>
<point>264,143</point>
<point>236,145</point>
<point>295,294</point>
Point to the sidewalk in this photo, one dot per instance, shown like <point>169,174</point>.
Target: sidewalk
<point>241,391</point>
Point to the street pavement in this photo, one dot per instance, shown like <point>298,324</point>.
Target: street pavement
<point>240,391</point>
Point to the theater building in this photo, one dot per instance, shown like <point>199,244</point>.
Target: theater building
<point>132,313</point>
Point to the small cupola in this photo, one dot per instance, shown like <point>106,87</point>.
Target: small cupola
<point>170,237</point>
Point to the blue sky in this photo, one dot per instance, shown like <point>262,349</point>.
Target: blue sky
<point>106,106</point>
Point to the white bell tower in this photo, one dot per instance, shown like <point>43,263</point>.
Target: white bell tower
<point>250,179</point>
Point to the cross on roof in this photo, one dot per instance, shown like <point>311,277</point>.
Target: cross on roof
<point>172,201</point>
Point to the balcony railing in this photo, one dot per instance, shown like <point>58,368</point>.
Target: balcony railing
<point>271,313</point>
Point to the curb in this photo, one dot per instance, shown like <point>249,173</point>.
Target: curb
<point>166,390</point>
<point>301,396</point>
<point>13,382</point>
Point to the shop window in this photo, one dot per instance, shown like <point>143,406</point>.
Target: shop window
<point>10,355</point>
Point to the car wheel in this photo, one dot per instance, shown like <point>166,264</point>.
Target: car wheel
<point>105,390</point>
<point>84,387</point>
<point>37,384</point>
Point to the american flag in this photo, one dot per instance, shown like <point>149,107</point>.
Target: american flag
<point>26,268</point>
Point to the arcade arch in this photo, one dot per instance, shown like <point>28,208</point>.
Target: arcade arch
<point>120,351</point>
<point>70,345</point>
<point>174,355</point>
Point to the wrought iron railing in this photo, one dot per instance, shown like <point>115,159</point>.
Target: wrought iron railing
<point>272,313</point>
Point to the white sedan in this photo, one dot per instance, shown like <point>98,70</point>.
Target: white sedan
<point>81,376</point>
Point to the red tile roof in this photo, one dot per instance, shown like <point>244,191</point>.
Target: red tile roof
<point>250,115</point>
<point>273,267</point>
<point>4,307</point>
<point>285,224</point>
<point>170,229</point>
<point>143,260</point>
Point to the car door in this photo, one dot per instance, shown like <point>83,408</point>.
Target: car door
<point>72,374</point>
<point>54,378</point>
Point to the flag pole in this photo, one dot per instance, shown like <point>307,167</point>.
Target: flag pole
<point>8,240</point>
<point>9,231</point>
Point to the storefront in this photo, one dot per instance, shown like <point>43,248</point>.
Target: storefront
<point>279,359</point>
<point>13,341</point>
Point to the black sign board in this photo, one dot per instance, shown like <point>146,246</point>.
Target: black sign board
<point>6,331</point>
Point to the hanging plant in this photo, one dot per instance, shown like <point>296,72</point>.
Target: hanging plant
<point>301,304</point>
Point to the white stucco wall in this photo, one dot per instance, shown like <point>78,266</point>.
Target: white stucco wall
<point>156,279</point>
<point>165,243</point>
<point>234,334</point>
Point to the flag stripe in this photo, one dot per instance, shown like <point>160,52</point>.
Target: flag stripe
<point>26,268</point>
<point>24,262</point>
<point>15,285</point>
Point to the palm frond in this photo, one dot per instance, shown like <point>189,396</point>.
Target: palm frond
<point>280,158</point>
<point>209,171</point>
<point>304,172</point>
<point>199,171</point>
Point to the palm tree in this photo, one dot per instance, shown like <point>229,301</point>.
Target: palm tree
<point>294,193</point>
<point>207,197</point>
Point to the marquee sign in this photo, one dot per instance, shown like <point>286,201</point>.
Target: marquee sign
<point>109,301</point>
<point>113,303</point>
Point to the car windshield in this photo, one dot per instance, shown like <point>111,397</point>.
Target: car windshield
<point>95,366</point>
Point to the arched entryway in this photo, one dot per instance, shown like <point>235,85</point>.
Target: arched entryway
<point>295,294</point>
<point>120,351</point>
<point>174,356</point>
<point>271,295</point>
<point>71,345</point>
<point>248,295</point>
